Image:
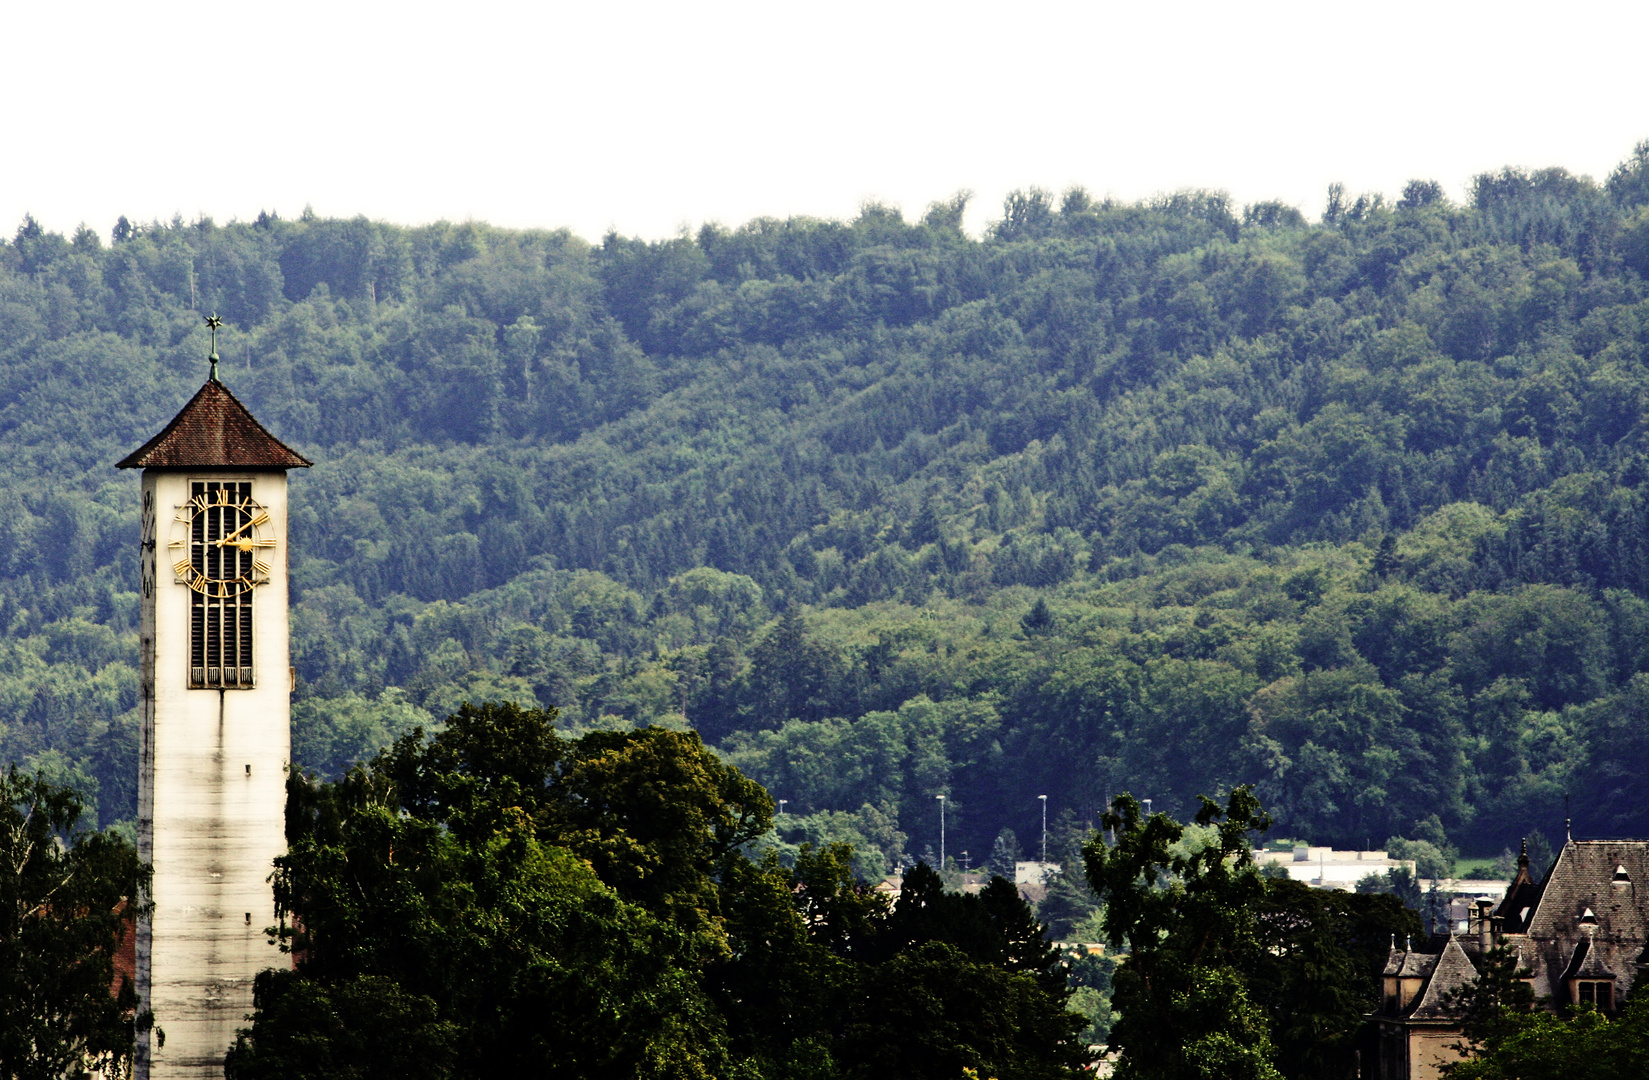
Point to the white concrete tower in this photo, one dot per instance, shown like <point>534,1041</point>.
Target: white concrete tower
<point>216,736</point>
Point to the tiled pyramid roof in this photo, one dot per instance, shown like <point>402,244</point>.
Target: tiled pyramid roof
<point>214,431</point>
<point>1454,972</point>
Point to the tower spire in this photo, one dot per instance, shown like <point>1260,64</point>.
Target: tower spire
<point>213,322</point>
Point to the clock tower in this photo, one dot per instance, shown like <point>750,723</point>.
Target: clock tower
<point>216,738</point>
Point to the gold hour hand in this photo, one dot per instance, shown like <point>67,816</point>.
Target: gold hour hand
<point>245,543</point>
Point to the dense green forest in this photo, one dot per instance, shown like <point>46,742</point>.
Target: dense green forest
<point>1157,497</point>
<point>501,901</point>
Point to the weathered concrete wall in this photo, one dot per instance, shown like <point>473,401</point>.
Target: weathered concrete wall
<point>211,799</point>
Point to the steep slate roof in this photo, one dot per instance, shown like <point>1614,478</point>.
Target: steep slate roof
<point>214,431</point>
<point>1584,877</point>
<point>1454,971</point>
<point>1560,941</point>
<point>1417,965</point>
<point>1587,921</point>
<point>1527,952</point>
<point>1521,896</point>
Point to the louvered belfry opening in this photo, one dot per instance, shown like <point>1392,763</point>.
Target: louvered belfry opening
<point>220,626</point>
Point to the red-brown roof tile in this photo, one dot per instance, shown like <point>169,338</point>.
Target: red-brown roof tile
<point>214,431</point>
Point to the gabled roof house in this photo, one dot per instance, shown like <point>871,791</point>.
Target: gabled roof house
<point>1581,933</point>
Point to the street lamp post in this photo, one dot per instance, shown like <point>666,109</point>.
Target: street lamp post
<point>1044,799</point>
<point>941,834</point>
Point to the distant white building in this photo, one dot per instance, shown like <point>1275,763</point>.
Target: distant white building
<point>1329,869</point>
<point>1032,872</point>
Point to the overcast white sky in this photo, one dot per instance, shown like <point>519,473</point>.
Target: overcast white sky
<point>646,116</point>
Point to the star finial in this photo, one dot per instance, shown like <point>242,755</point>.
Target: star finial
<point>213,322</point>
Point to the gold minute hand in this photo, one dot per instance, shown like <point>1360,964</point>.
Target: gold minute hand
<point>231,536</point>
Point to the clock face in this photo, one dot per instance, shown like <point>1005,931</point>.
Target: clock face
<point>147,560</point>
<point>221,544</point>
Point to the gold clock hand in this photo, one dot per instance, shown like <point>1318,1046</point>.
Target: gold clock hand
<point>232,535</point>
<point>258,520</point>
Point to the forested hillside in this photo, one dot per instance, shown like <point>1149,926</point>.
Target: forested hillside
<point>1157,497</point>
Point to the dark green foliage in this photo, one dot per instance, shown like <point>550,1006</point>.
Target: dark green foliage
<point>499,900</point>
<point>1587,1047</point>
<point>366,1027</point>
<point>1166,495</point>
<point>1230,973</point>
<point>1317,974</point>
<point>448,868</point>
<point>68,897</point>
<point>1190,923</point>
<point>1402,884</point>
<point>1004,853</point>
<point>1430,860</point>
<point>1091,977</point>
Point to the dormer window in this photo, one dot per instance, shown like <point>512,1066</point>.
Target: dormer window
<point>1595,992</point>
<point>1621,874</point>
<point>1587,918</point>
